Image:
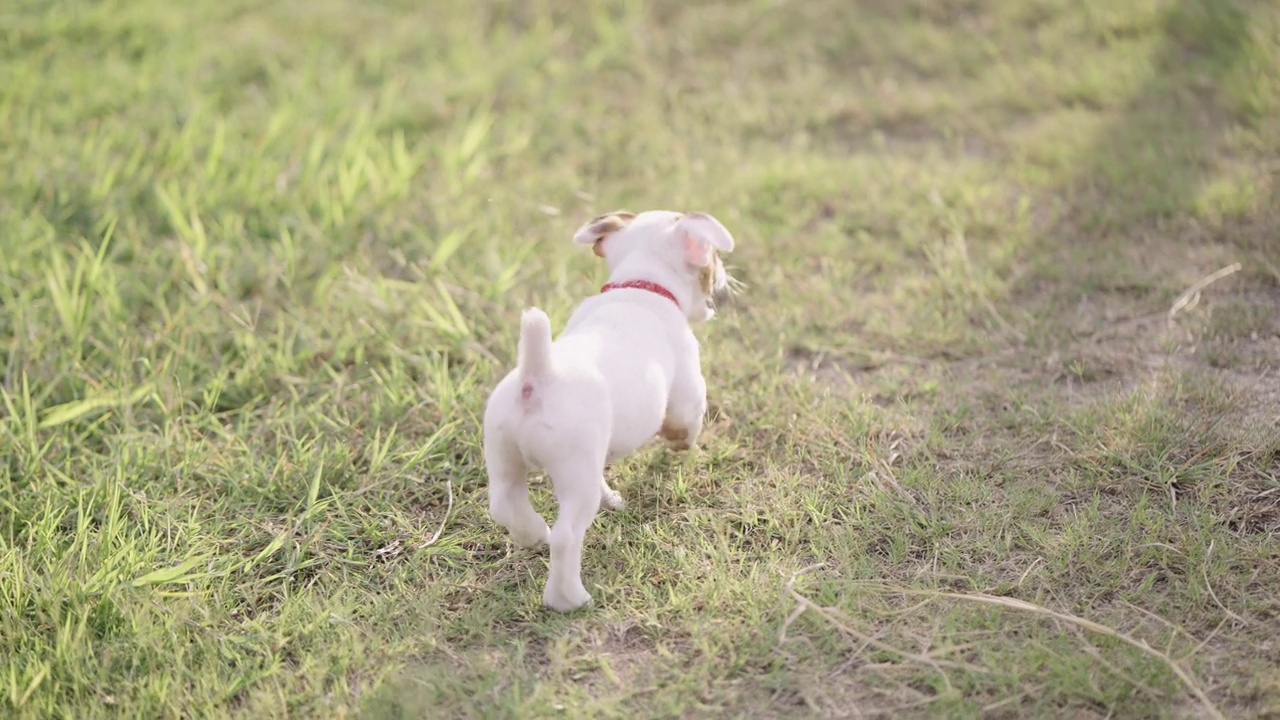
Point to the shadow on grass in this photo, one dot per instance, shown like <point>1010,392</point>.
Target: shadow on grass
<point>1138,192</point>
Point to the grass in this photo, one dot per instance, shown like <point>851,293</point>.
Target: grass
<point>260,264</point>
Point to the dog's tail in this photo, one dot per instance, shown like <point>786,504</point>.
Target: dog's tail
<point>534,350</point>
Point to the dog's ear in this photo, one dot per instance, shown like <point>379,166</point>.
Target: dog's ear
<point>701,235</point>
<point>597,229</point>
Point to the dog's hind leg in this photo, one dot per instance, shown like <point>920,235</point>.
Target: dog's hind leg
<point>578,487</point>
<point>509,495</point>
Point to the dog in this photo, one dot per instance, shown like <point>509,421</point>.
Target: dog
<point>625,370</point>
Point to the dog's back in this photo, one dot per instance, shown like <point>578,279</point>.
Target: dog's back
<point>561,396</point>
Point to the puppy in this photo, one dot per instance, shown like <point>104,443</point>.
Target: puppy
<point>626,368</point>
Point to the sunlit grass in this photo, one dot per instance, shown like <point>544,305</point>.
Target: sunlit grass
<point>261,264</point>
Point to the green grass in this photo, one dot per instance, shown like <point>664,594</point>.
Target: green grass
<point>261,263</point>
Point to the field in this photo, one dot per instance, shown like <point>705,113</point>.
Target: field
<point>994,426</point>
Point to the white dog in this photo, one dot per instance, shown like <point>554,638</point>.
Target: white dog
<point>625,369</point>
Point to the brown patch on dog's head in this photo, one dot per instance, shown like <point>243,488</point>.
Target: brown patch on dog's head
<point>597,229</point>
<point>611,222</point>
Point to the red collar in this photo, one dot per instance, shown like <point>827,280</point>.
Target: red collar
<point>652,287</point>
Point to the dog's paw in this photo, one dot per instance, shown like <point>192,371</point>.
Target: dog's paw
<point>566,599</point>
<point>531,538</point>
<point>612,500</point>
<point>675,438</point>
<point>680,444</point>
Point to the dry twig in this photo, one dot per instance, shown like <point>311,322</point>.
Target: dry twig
<point>1191,297</point>
<point>448,483</point>
<point>1080,622</point>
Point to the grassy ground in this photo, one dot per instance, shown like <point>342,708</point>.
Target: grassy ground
<point>260,263</point>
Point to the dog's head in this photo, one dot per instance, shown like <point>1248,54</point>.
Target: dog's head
<point>686,245</point>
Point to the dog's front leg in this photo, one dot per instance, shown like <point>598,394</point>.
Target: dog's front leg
<point>611,499</point>
<point>685,409</point>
